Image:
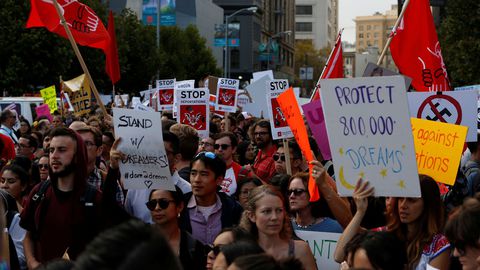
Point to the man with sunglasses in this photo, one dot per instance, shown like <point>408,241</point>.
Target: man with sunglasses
<point>264,166</point>
<point>225,147</point>
<point>296,159</point>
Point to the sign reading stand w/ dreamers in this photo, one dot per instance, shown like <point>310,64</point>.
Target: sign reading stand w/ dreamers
<point>368,126</point>
<point>146,163</point>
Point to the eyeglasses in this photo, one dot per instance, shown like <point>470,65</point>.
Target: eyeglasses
<point>205,144</point>
<point>43,166</point>
<point>276,157</point>
<point>152,204</point>
<point>89,144</point>
<point>296,192</point>
<point>223,146</point>
<point>22,145</point>
<point>263,133</point>
<point>209,155</point>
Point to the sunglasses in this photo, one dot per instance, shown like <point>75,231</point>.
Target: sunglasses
<point>209,155</point>
<point>43,166</point>
<point>152,204</point>
<point>296,192</point>
<point>276,157</point>
<point>215,249</point>
<point>223,146</point>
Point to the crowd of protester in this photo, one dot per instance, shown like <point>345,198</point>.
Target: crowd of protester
<point>234,206</point>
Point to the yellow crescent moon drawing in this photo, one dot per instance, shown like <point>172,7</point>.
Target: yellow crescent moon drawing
<point>343,181</point>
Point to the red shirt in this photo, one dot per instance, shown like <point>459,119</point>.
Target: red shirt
<point>264,165</point>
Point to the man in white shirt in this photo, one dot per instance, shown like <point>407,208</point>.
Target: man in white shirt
<point>8,118</point>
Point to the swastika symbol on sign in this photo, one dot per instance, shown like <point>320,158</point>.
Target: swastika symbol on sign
<point>443,112</point>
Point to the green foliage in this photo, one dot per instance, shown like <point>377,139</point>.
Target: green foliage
<point>307,55</point>
<point>34,58</point>
<point>460,41</point>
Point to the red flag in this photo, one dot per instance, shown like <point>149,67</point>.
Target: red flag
<point>111,63</point>
<point>416,50</point>
<point>333,68</point>
<point>86,27</point>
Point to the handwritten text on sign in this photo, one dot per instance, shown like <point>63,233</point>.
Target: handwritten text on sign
<point>370,135</point>
<point>146,165</point>
<point>278,121</point>
<point>227,95</point>
<point>49,96</point>
<point>438,147</point>
<point>323,247</point>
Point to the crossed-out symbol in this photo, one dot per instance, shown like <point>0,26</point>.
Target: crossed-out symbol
<point>439,115</point>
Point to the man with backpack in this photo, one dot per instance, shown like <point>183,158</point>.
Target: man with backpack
<point>60,216</point>
<point>471,168</point>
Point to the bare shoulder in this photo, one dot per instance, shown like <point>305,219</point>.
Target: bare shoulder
<point>301,247</point>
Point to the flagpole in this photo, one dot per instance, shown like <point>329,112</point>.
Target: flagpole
<point>387,45</point>
<point>317,86</point>
<point>61,98</point>
<point>79,56</point>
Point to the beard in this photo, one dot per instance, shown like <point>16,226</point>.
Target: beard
<point>67,170</point>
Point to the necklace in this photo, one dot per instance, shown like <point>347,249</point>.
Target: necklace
<point>315,221</point>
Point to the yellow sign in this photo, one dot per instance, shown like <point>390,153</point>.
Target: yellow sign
<point>49,96</point>
<point>79,91</point>
<point>438,148</point>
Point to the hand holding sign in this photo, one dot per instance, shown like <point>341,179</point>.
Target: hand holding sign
<point>115,155</point>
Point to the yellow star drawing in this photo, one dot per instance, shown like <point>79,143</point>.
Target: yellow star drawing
<point>340,151</point>
<point>362,174</point>
<point>401,184</point>
<point>383,172</point>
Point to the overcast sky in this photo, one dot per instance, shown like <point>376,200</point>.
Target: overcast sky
<point>349,9</point>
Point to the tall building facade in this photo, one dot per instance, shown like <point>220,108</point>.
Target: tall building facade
<point>317,21</point>
<point>373,30</point>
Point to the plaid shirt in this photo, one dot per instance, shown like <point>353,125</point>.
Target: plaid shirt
<point>264,165</point>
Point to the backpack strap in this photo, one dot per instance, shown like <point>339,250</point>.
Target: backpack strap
<point>40,195</point>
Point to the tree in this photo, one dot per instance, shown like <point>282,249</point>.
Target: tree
<point>460,41</point>
<point>307,56</point>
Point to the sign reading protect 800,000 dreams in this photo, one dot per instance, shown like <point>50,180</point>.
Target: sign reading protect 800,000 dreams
<point>370,135</point>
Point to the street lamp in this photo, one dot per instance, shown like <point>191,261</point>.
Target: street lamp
<point>277,35</point>
<point>227,17</point>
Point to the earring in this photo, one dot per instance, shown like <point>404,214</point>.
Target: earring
<point>178,215</point>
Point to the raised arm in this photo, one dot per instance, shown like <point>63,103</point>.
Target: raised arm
<point>340,207</point>
<point>360,196</point>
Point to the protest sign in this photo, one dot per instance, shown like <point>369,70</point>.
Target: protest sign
<point>141,107</point>
<point>438,147</point>
<point>227,95</point>
<point>454,107</point>
<point>80,94</point>
<point>136,101</point>
<point>291,111</point>
<point>193,109</point>
<point>323,246</point>
<point>165,95</point>
<point>146,163</point>
<point>258,106</point>
<point>280,128</point>
<point>49,96</point>
<point>121,101</point>
<point>316,121</point>
<point>260,74</point>
<point>187,84</point>
<point>370,134</point>
<point>373,70</point>
<point>44,110</point>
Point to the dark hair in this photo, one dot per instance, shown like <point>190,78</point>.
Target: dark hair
<point>109,135</point>
<point>173,139</point>
<point>241,151</point>
<point>217,165</point>
<point>56,264</point>
<point>463,227</point>
<point>473,146</point>
<point>384,250</point>
<point>6,113</point>
<point>263,124</point>
<point>39,137</point>
<point>293,146</point>
<point>19,171</point>
<point>266,262</point>
<point>238,249</point>
<point>177,195</point>
<point>131,245</point>
<point>23,120</point>
<point>62,131</point>
<point>244,181</point>
<point>32,142</point>
<point>233,138</point>
<point>316,206</point>
<point>281,182</point>
<point>97,135</point>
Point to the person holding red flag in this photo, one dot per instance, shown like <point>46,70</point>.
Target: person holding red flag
<point>416,50</point>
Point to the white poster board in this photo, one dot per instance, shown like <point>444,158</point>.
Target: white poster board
<point>165,95</point>
<point>370,134</point>
<point>227,90</point>
<point>120,98</point>
<point>193,109</point>
<point>323,247</point>
<point>146,163</point>
<point>260,74</point>
<point>454,107</point>
<point>278,122</point>
<point>258,106</point>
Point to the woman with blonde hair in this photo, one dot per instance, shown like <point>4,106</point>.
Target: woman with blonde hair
<point>266,219</point>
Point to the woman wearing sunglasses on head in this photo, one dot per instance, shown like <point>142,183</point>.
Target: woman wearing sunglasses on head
<point>165,207</point>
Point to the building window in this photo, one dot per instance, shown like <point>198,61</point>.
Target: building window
<point>376,27</point>
<point>368,35</point>
<point>375,42</point>
<point>359,35</point>
<point>369,27</point>
<point>360,43</point>
<point>303,10</point>
<point>375,35</point>
<point>303,26</point>
<point>360,28</point>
